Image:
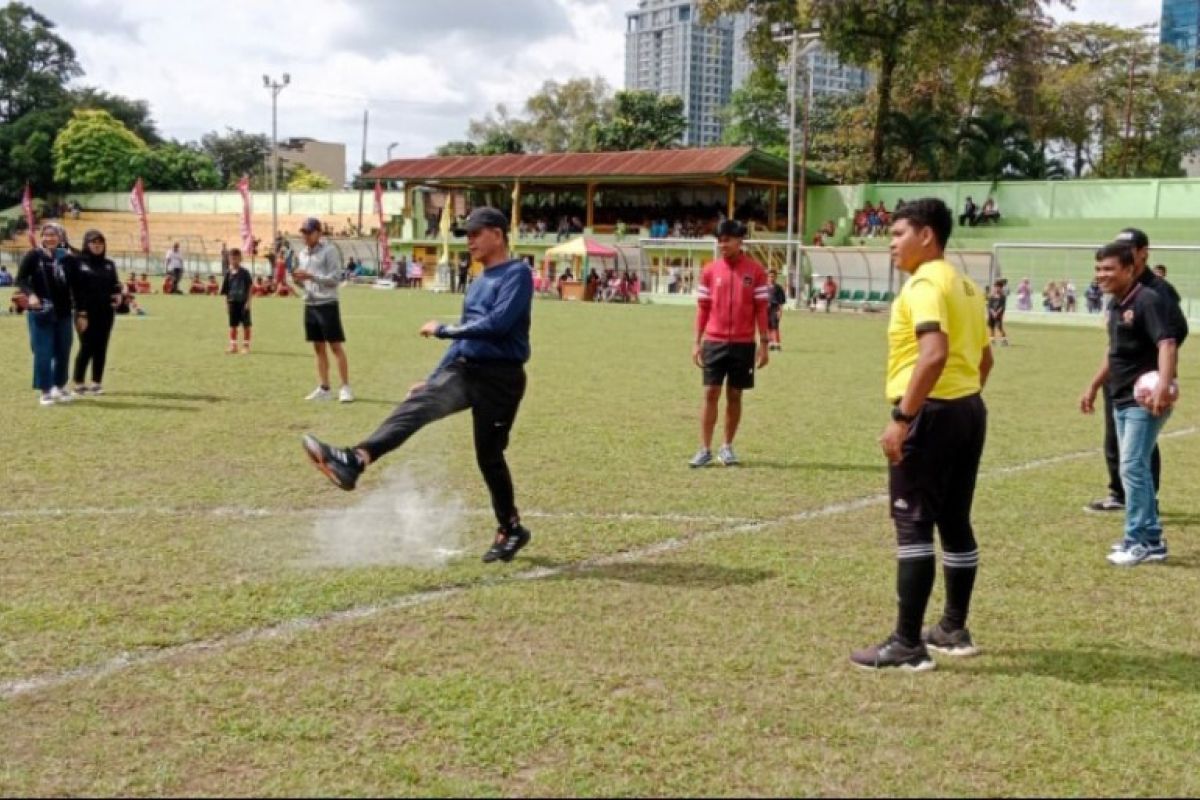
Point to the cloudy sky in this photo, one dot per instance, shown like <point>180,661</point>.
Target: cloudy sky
<point>422,67</point>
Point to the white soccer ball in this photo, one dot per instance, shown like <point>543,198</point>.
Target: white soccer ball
<point>1147,384</point>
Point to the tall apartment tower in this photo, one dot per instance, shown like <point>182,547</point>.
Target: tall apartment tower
<point>1181,29</point>
<point>829,75</point>
<point>669,51</point>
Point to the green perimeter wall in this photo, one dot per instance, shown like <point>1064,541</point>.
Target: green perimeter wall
<point>1025,202</point>
<point>343,203</point>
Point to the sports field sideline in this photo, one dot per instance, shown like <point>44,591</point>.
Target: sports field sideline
<point>174,618</point>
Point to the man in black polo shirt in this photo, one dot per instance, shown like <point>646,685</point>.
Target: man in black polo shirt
<point>1139,243</point>
<point>1142,338</point>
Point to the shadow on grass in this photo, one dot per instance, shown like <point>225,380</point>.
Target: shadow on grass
<point>109,405</point>
<point>277,354</point>
<point>691,576</point>
<point>1163,671</point>
<point>766,463</point>
<point>195,398</point>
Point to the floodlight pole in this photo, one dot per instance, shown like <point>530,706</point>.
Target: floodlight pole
<point>794,54</point>
<point>275,88</point>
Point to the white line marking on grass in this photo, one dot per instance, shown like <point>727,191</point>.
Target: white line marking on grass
<point>22,686</point>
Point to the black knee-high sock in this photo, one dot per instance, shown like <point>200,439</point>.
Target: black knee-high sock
<point>959,570</point>
<point>915,572</point>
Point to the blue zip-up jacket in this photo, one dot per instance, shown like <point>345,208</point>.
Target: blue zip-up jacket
<point>495,319</point>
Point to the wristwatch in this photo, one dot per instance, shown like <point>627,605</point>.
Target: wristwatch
<point>900,416</point>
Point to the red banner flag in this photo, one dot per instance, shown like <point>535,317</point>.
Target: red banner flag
<point>247,232</point>
<point>137,202</point>
<point>385,257</point>
<point>27,204</point>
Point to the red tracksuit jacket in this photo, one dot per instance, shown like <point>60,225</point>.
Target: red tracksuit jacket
<point>732,299</point>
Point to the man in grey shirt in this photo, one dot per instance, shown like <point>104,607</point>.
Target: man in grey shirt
<point>320,272</point>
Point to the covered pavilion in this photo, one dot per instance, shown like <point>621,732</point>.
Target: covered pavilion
<point>728,170</point>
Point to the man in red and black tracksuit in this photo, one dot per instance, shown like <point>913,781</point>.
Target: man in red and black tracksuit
<point>732,302</point>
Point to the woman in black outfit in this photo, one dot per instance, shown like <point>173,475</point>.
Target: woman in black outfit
<point>42,277</point>
<point>97,290</point>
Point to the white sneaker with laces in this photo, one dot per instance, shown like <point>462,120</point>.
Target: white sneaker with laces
<point>345,395</point>
<point>46,400</point>
<point>1129,557</point>
<point>60,396</point>
<point>726,455</point>
<point>319,393</point>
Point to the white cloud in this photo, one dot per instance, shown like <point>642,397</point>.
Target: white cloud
<point>423,67</point>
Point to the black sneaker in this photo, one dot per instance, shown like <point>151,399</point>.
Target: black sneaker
<point>338,464</point>
<point>509,542</point>
<point>1109,503</point>
<point>894,653</point>
<point>952,643</point>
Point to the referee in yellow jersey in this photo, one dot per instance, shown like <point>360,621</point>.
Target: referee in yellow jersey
<point>938,362</point>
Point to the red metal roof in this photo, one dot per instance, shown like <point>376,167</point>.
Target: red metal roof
<point>695,162</point>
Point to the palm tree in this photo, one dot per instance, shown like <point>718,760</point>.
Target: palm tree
<point>994,145</point>
<point>919,136</point>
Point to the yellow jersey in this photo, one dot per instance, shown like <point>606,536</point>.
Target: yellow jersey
<point>938,297</point>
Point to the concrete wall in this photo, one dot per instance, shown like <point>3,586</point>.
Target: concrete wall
<point>1176,198</point>
<point>333,204</point>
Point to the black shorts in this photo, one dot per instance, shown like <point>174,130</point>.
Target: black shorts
<point>728,361</point>
<point>773,315</point>
<point>935,480</point>
<point>239,314</point>
<point>995,321</point>
<point>323,323</point>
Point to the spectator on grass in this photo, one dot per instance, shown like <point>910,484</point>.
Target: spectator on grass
<point>97,291</point>
<point>1024,295</point>
<point>1094,296</point>
<point>197,286</point>
<point>143,284</point>
<point>173,265</point>
<point>997,302</point>
<point>238,290</point>
<point>829,290</point>
<point>775,303</point>
<point>1070,298</point>
<point>42,277</point>
<point>212,287</point>
<point>1052,299</point>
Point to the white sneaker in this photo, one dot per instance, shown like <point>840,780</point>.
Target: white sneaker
<point>319,393</point>
<point>97,389</point>
<point>345,395</point>
<point>46,400</point>
<point>60,396</point>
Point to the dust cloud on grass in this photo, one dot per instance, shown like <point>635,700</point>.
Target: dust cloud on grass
<point>405,521</point>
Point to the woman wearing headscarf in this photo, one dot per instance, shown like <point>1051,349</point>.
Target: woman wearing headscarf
<point>97,291</point>
<point>42,277</point>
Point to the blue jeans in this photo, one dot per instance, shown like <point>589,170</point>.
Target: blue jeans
<point>50,339</point>
<point>1137,431</point>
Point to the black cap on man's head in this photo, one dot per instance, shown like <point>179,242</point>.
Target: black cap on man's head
<point>486,217</point>
<point>1134,237</point>
<point>731,227</point>
<point>311,224</point>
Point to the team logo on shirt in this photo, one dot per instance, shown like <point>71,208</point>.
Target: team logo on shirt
<point>1127,316</point>
<point>745,280</point>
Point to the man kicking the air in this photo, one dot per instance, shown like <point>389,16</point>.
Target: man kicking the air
<point>731,302</point>
<point>483,370</point>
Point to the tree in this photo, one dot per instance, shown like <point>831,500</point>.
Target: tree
<point>25,153</point>
<point>35,64</point>
<point>500,142</point>
<point>96,153</point>
<point>305,180</point>
<point>757,112</point>
<point>562,116</point>
<point>996,146</point>
<point>175,167</point>
<point>457,148</point>
<point>237,153</point>
<point>920,138</point>
<point>134,114</point>
<point>642,121</point>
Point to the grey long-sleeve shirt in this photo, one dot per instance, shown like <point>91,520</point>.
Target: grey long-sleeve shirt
<point>325,265</point>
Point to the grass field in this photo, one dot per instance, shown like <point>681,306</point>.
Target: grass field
<point>168,625</point>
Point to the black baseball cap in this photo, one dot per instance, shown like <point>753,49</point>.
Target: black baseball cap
<point>731,227</point>
<point>486,217</point>
<point>1135,237</point>
<point>311,224</point>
